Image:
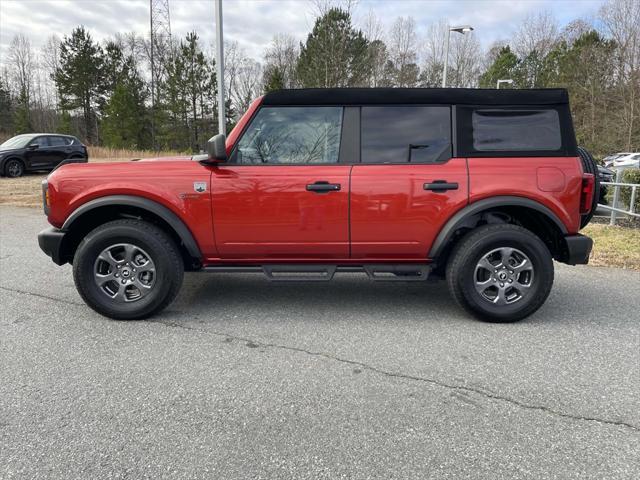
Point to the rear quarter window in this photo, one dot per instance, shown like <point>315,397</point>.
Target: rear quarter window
<point>516,130</point>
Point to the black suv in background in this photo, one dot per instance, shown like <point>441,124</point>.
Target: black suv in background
<point>39,151</point>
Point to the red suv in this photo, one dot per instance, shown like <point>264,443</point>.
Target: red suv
<point>482,187</point>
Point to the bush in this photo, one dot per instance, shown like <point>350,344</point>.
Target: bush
<point>631,175</point>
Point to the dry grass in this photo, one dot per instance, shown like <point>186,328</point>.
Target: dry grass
<point>26,191</point>
<point>22,192</point>
<point>614,246</point>
<point>105,154</point>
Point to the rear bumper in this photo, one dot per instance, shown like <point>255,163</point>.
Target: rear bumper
<point>578,247</point>
<point>50,241</point>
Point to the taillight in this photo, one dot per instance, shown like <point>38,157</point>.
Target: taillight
<point>586,194</point>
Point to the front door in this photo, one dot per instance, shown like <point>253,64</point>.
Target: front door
<point>39,153</point>
<point>407,186</point>
<point>283,193</point>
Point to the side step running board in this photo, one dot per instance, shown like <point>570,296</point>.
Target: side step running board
<point>380,272</point>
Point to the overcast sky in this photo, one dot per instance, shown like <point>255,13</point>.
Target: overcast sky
<point>253,22</point>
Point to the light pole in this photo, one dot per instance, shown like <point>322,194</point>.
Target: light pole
<point>222,124</point>
<point>508,80</point>
<point>461,29</point>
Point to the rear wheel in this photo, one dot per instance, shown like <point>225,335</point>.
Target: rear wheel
<point>14,168</point>
<point>500,273</point>
<point>127,269</point>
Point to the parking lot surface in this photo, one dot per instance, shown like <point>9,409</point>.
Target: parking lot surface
<point>242,378</point>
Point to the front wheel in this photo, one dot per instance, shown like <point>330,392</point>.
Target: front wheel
<point>14,168</point>
<point>500,273</point>
<point>127,269</point>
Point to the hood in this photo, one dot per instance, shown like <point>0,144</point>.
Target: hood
<point>163,159</point>
<point>10,150</point>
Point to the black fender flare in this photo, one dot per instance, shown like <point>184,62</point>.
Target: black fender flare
<point>151,206</point>
<point>465,213</point>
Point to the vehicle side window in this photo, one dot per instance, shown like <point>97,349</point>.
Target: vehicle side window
<point>40,141</point>
<point>516,130</point>
<point>58,141</point>
<point>398,134</point>
<point>291,135</point>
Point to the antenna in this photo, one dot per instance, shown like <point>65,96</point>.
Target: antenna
<point>161,52</point>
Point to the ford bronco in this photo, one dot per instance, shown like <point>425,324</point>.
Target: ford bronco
<point>484,188</point>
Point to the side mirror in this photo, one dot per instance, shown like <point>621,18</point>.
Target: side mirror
<point>216,148</point>
<point>32,146</point>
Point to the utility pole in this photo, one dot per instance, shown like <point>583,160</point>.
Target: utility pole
<point>160,43</point>
<point>222,123</point>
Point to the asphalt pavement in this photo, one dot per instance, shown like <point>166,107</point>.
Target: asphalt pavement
<point>242,378</point>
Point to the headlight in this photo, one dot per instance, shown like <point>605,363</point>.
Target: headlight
<point>46,202</point>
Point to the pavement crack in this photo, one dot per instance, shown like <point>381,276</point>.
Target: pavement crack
<point>391,374</point>
<point>448,386</point>
<point>40,295</point>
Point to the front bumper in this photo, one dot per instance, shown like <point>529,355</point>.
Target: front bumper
<point>578,247</point>
<point>50,241</point>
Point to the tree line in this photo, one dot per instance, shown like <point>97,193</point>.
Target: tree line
<point>105,93</point>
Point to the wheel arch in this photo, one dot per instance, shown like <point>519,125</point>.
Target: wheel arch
<point>503,209</point>
<point>101,210</point>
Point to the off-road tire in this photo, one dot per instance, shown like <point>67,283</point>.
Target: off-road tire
<point>461,271</point>
<point>589,165</point>
<point>169,268</point>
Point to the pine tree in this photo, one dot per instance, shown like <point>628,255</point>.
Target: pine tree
<point>123,126</point>
<point>79,78</point>
<point>273,79</point>
<point>6,109</point>
<point>123,101</point>
<point>335,54</point>
<point>504,67</point>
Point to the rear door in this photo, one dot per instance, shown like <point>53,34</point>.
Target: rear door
<point>408,183</point>
<point>59,148</point>
<point>284,194</point>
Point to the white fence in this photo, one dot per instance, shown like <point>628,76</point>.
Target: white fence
<point>615,208</point>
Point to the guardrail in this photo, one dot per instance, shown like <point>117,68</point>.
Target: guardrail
<point>614,209</point>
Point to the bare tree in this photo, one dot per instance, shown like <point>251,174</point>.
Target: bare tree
<point>282,55</point>
<point>372,27</point>
<point>465,57</point>
<point>466,61</point>
<point>321,7</point>
<point>538,32</point>
<point>243,77</point>
<point>434,47</point>
<point>621,20</point>
<point>378,53</point>
<point>22,63</point>
<point>402,51</point>
<point>49,63</point>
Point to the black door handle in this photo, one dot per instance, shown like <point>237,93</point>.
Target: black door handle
<point>441,186</point>
<point>323,187</point>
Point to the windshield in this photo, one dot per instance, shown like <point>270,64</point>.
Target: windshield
<point>20,141</point>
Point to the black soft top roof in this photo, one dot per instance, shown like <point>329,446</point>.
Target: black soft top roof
<point>382,96</point>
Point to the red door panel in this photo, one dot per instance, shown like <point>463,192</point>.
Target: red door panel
<point>266,212</point>
<point>393,216</point>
